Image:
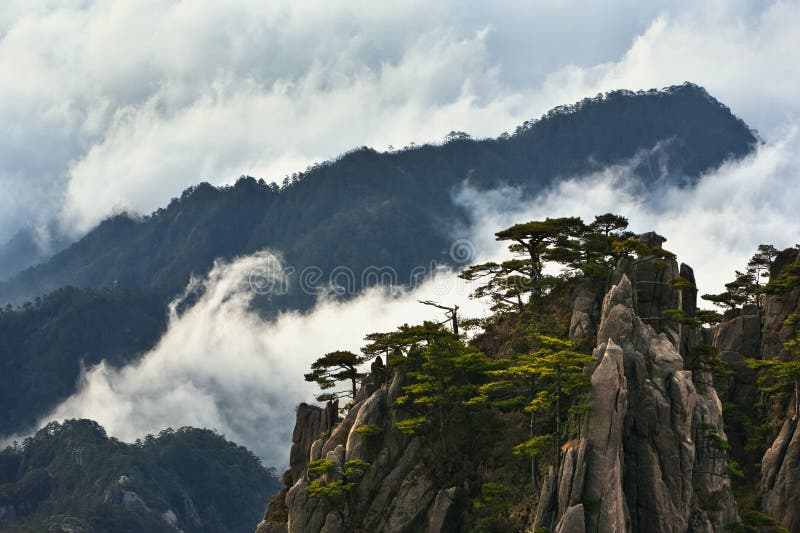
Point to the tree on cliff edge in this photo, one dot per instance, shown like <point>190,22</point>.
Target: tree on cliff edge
<point>334,367</point>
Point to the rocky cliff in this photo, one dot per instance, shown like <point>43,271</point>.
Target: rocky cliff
<point>647,460</point>
<point>780,467</point>
<point>650,457</point>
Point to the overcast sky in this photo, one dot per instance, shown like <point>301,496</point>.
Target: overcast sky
<point>121,104</point>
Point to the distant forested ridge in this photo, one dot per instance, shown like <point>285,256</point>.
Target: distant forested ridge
<point>73,477</point>
<point>392,208</point>
<point>366,208</point>
<point>45,344</point>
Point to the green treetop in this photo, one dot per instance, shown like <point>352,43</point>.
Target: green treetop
<point>779,379</point>
<point>568,242</point>
<point>334,367</point>
<point>548,383</point>
<point>747,287</point>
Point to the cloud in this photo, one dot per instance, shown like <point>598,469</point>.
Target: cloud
<point>122,104</point>
<point>715,227</point>
<point>219,365</point>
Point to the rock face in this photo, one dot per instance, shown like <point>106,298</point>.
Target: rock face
<point>780,467</point>
<point>648,459</point>
<point>644,463</point>
<point>778,308</point>
<point>395,492</point>
<point>780,477</point>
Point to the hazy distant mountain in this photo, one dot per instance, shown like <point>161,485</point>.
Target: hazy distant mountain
<point>24,249</point>
<point>366,208</point>
<point>392,209</point>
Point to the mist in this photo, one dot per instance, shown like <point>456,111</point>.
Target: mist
<point>219,365</point>
<point>120,105</point>
<point>714,227</point>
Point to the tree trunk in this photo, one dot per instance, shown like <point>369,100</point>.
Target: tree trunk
<point>558,419</point>
<point>797,398</point>
<point>530,436</point>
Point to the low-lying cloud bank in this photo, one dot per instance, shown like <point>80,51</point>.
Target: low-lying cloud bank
<point>714,227</point>
<point>221,366</point>
<point>122,104</point>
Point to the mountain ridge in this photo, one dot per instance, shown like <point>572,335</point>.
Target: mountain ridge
<point>689,131</point>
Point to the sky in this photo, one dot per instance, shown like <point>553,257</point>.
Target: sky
<point>121,104</point>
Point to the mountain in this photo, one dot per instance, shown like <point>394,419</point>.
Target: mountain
<point>73,477</point>
<point>393,209</point>
<point>607,403</point>
<point>25,249</point>
<point>46,344</point>
<point>363,209</point>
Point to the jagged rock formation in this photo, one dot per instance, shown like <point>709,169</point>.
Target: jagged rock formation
<point>780,467</point>
<point>395,494</point>
<point>644,462</point>
<point>780,477</point>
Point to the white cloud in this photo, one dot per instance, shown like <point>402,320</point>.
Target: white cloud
<point>221,366</point>
<point>714,227</point>
<point>123,104</point>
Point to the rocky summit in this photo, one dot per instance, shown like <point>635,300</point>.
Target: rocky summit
<point>649,449</point>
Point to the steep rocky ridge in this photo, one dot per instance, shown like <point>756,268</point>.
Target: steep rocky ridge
<point>780,467</point>
<point>644,462</point>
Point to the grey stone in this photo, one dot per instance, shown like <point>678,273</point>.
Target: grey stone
<point>573,521</point>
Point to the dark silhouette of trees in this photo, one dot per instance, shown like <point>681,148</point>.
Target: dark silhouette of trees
<point>334,367</point>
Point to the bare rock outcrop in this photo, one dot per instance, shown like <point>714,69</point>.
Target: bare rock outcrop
<point>395,493</point>
<point>780,477</point>
<point>780,466</point>
<point>646,465</point>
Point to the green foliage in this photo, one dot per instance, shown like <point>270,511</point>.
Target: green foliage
<point>712,437</point>
<point>492,507</point>
<point>321,487</point>
<point>756,522</point>
<point>538,446</point>
<point>589,249</point>
<point>44,346</point>
<point>746,288</point>
<point>680,316</point>
<point>334,367</point>
<point>706,316</point>
<point>355,468</point>
<point>412,426</point>
<point>319,467</point>
<point>733,470</point>
<point>705,357</point>
<point>787,280</point>
<point>328,490</point>
<point>792,320</point>
<point>548,383</point>
<point>226,483</point>
<point>780,378</point>
<point>369,430</point>
<point>681,284</point>
<point>776,378</point>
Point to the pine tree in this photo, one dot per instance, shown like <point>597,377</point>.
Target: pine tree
<point>444,374</point>
<point>334,367</point>
<point>549,384</point>
<point>780,378</point>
